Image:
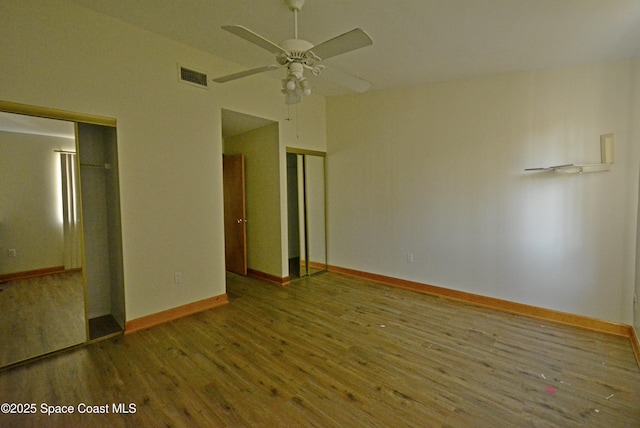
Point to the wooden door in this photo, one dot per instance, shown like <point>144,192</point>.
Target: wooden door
<point>235,228</point>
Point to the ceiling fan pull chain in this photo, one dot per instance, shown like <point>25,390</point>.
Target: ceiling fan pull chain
<point>297,128</point>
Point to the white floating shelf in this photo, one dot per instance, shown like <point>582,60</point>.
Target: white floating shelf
<point>574,169</point>
<point>607,155</point>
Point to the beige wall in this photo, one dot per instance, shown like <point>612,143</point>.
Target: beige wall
<point>60,55</point>
<point>438,171</point>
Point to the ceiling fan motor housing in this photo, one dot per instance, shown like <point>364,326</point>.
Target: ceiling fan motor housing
<point>297,48</point>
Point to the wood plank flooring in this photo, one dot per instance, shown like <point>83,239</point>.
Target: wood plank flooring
<point>335,351</point>
<point>40,315</point>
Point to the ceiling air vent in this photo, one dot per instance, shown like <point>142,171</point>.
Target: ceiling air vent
<point>192,77</point>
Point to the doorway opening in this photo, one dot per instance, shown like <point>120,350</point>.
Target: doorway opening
<point>252,144</point>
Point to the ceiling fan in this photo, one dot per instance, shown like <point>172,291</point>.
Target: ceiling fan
<point>298,55</point>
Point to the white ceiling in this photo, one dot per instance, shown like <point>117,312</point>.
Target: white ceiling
<point>415,41</point>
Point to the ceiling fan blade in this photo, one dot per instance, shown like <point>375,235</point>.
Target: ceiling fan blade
<point>254,38</point>
<point>245,73</point>
<point>349,41</point>
<point>347,80</point>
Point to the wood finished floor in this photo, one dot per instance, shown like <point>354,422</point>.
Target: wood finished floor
<point>41,315</point>
<point>333,351</point>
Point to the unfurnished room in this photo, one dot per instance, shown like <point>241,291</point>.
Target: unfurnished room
<point>290,213</point>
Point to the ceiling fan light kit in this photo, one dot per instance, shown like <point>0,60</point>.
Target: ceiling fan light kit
<point>298,55</point>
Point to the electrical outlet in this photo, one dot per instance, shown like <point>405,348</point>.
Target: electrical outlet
<point>11,252</point>
<point>177,277</point>
<point>409,257</point>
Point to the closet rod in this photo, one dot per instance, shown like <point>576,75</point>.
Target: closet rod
<point>64,151</point>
